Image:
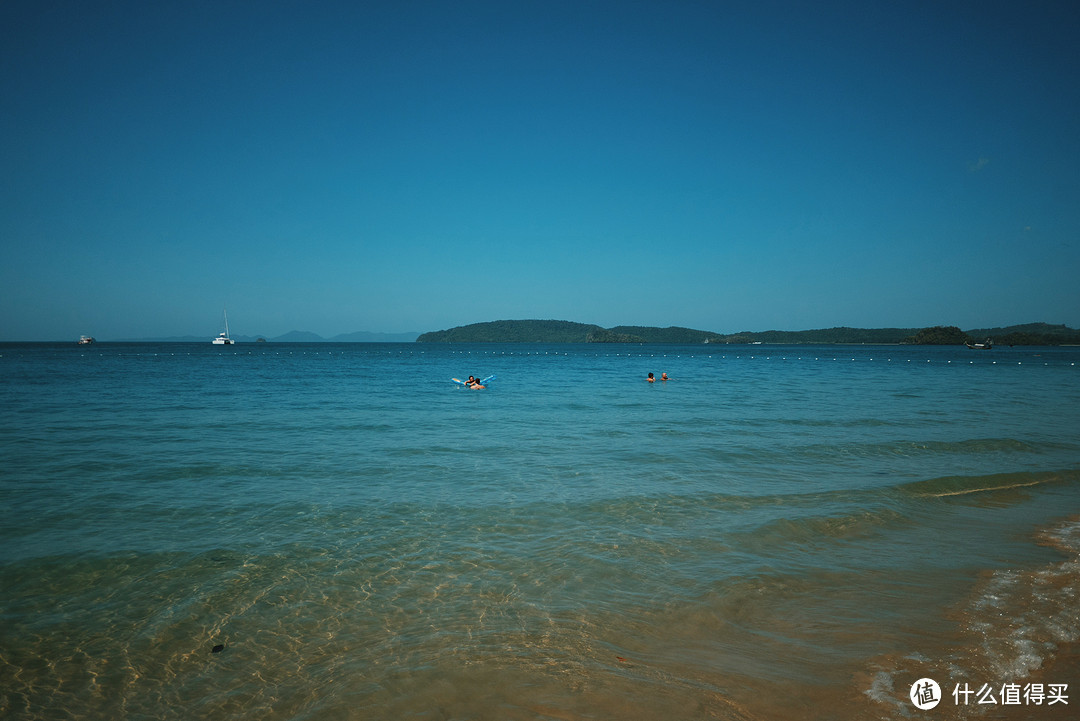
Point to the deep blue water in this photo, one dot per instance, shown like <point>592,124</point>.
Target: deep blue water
<point>776,527</point>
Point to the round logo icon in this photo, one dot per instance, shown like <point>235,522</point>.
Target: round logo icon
<point>925,694</point>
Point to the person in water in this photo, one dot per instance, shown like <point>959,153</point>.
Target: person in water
<point>474,383</point>
<point>650,378</point>
<point>663,377</point>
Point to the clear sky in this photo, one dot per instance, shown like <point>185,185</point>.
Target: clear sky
<point>412,166</point>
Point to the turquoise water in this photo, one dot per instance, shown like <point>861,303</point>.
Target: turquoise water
<point>777,532</point>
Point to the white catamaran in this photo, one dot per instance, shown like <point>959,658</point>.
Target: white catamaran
<point>223,338</point>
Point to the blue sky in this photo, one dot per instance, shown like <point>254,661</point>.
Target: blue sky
<point>413,166</point>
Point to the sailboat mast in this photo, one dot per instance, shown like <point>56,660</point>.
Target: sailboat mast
<point>223,338</point>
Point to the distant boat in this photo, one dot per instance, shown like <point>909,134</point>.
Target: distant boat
<point>85,340</point>
<point>981,346</point>
<point>223,338</point>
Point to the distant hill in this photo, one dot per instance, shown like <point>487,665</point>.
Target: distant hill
<point>842,334</point>
<point>561,331</point>
<point>514,331</point>
<point>364,336</point>
<point>1029,334</point>
<point>296,336</point>
<point>673,334</point>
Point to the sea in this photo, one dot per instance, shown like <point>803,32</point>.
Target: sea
<point>275,531</point>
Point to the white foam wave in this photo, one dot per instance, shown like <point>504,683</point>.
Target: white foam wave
<point>1015,622</point>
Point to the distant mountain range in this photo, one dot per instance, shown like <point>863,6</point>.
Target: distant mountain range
<point>561,331</point>
<point>302,336</point>
<point>295,336</point>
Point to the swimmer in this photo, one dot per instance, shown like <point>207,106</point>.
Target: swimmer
<point>663,377</point>
<point>650,378</point>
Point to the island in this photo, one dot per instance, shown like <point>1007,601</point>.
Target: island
<point>563,331</point>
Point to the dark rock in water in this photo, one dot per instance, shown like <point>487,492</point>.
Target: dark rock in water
<point>218,649</point>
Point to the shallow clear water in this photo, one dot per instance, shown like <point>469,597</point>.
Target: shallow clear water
<point>776,532</point>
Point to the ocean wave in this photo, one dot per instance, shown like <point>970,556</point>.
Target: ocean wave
<point>896,449</point>
<point>950,486</point>
<point>1014,622</point>
<point>815,530</point>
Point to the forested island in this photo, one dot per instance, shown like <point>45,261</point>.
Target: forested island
<point>562,331</point>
